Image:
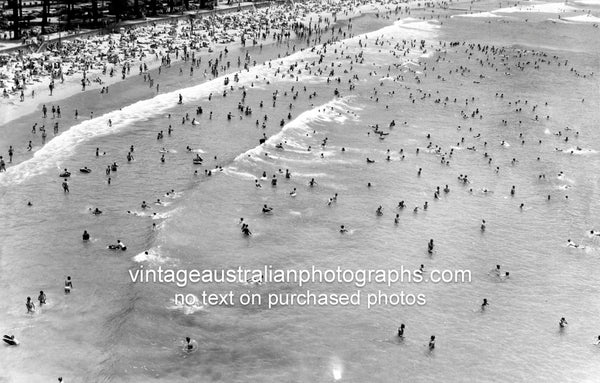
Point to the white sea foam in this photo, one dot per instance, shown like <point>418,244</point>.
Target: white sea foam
<point>533,7</point>
<point>232,171</point>
<point>579,151</point>
<point>65,144</point>
<point>187,309</point>
<point>583,19</point>
<point>587,2</point>
<point>153,256</point>
<point>334,110</point>
<point>479,14</point>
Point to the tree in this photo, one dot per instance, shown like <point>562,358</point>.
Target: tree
<point>45,9</point>
<point>16,26</point>
<point>118,8</point>
<point>69,12</point>
<point>153,7</point>
<point>95,11</point>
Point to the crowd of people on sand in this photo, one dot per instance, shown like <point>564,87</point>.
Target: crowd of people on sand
<point>280,21</point>
<point>92,58</point>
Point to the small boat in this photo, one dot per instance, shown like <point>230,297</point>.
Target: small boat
<point>85,170</point>
<point>197,161</point>
<point>65,174</point>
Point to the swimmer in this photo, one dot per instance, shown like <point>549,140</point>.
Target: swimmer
<point>190,344</point>
<point>267,209</point>
<point>68,285</point>
<point>293,193</point>
<point>483,225</point>
<point>397,219</point>
<point>118,246</point>
<point>96,211</point>
<point>484,304</point>
<point>85,236</point>
<point>431,343</point>
<point>401,331</point>
<point>343,230</point>
<point>563,323</point>
<point>430,246</point>
<point>573,244</point>
<point>496,271</point>
<point>30,306</point>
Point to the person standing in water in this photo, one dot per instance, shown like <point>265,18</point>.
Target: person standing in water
<point>432,343</point>
<point>484,304</point>
<point>430,246</point>
<point>68,285</point>
<point>563,323</point>
<point>190,344</point>
<point>401,331</point>
<point>42,298</point>
<point>30,306</point>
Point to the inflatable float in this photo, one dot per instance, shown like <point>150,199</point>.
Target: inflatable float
<point>10,340</point>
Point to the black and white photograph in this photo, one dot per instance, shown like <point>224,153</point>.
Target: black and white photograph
<point>303,191</point>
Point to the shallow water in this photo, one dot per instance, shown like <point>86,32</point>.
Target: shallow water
<point>132,332</point>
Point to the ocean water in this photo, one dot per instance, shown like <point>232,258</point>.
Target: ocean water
<point>111,329</point>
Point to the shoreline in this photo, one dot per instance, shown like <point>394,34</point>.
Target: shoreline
<point>69,88</point>
<point>17,126</point>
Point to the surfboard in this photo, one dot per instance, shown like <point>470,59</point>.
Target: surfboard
<point>11,341</point>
